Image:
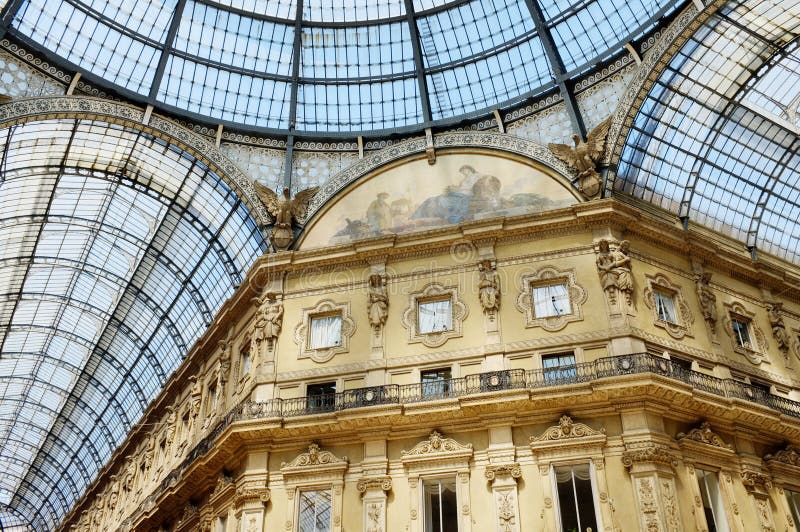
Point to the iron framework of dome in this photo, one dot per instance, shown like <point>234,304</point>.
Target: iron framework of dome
<point>332,68</point>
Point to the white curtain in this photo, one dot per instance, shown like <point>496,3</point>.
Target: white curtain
<point>326,332</point>
<point>551,300</point>
<point>435,316</point>
<point>565,473</point>
<point>665,307</point>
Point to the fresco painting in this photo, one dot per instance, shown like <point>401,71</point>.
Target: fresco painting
<point>415,196</point>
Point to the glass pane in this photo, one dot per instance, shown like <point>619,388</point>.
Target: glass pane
<point>559,367</point>
<point>665,307</point>
<point>441,505</point>
<point>435,382</point>
<point>326,331</point>
<point>315,511</point>
<point>551,300</point>
<point>575,498</point>
<point>435,316</point>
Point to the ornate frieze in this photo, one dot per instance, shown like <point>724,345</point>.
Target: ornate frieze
<point>704,434</point>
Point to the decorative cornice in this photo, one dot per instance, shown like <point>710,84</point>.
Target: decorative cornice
<point>648,453</point>
<point>383,483</point>
<point>313,458</point>
<point>790,455</point>
<point>436,445</point>
<point>704,434</point>
<point>24,110</point>
<point>512,470</point>
<point>756,481</point>
<point>567,430</point>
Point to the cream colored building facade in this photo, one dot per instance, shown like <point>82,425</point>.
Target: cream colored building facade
<point>663,391</point>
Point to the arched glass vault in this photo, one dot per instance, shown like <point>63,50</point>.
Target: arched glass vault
<point>716,140</point>
<point>118,248</point>
<point>326,68</point>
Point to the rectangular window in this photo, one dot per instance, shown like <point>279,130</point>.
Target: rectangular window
<point>315,511</point>
<point>551,300</point>
<point>575,498</point>
<point>322,396</point>
<point>559,367</point>
<point>434,316</point>
<point>244,356</point>
<point>211,402</point>
<point>441,505</point>
<point>665,306</point>
<point>712,501</point>
<point>741,332</point>
<point>435,382</point>
<point>793,497</point>
<point>326,331</point>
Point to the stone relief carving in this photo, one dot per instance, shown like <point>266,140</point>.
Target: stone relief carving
<point>778,327</point>
<point>708,301</point>
<point>682,325</point>
<point>614,268</point>
<point>196,394</point>
<point>756,481</point>
<point>670,506</point>
<point>314,457</point>
<point>704,434</point>
<point>506,515</point>
<point>436,444</point>
<point>375,518</point>
<point>383,483</point>
<point>648,453</point>
<point>245,494</point>
<point>567,429</point>
<point>585,156</point>
<point>512,471</point>
<point>649,507</point>
<point>267,324</point>
<point>285,210</point>
<point>489,288</point>
<point>790,455</point>
<point>378,302</point>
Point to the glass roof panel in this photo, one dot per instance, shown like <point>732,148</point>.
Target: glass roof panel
<point>356,71</point>
<point>104,290</point>
<point>713,142</point>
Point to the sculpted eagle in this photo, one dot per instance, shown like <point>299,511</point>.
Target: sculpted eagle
<point>285,210</point>
<point>584,156</point>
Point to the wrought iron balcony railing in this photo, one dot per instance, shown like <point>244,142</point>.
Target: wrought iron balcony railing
<point>494,381</point>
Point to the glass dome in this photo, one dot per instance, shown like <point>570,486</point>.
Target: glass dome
<point>330,68</point>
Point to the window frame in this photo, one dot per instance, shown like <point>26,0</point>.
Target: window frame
<point>428,301</point>
<point>429,389</point>
<point>660,285</point>
<point>550,276</point>
<point>593,484</point>
<point>756,352</point>
<point>301,491</point>
<point>564,373</point>
<point>316,318</point>
<point>423,503</point>
<point>434,292</point>
<point>539,286</point>
<point>322,402</point>
<point>722,519</point>
<point>302,332</point>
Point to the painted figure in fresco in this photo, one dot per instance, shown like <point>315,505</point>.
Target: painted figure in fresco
<point>379,214</point>
<point>454,204</point>
<point>378,306</point>
<point>488,286</point>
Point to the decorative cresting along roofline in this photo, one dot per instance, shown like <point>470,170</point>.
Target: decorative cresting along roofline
<point>20,111</point>
<point>653,64</point>
<point>497,141</point>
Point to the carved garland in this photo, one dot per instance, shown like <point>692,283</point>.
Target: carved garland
<point>550,275</point>
<point>756,352</point>
<point>434,291</point>
<point>302,335</point>
<point>684,316</point>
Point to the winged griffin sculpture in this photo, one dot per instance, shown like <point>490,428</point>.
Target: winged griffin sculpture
<point>286,210</point>
<point>584,157</point>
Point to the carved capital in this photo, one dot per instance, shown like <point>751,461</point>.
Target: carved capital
<point>512,471</point>
<point>648,453</point>
<point>383,483</point>
<point>756,481</point>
